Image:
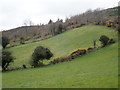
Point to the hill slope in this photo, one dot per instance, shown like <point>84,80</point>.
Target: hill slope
<point>63,44</point>
<point>98,69</point>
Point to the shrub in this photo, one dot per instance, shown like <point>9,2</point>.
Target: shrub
<point>90,50</point>
<point>104,40</point>
<point>79,52</point>
<point>46,34</point>
<point>6,59</point>
<point>39,54</point>
<point>109,23</point>
<point>24,66</point>
<point>22,40</point>
<point>4,42</point>
<point>37,36</point>
<point>61,59</point>
<point>59,28</point>
<point>111,41</point>
<point>27,39</point>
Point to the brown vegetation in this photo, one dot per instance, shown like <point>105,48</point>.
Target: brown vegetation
<point>106,17</point>
<point>73,55</point>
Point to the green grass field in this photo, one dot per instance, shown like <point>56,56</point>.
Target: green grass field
<point>97,69</point>
<point>62,44</point>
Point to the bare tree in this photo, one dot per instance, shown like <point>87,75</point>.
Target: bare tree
<point>28,22</point>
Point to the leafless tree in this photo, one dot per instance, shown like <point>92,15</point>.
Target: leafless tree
<point>28,22</point>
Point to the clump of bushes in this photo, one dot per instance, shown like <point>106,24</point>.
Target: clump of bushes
<point>22,40</point>
<point>109,23</point>
<point>106,40</point>
<point>27,39</point>
<point>46,34</point>
<point>24,66</point>
<point>73,55</point>
<point>6,59</point>
<point>37,36</point>
<point>61,59</point>
<point>111,41</point>
<point>90,50</point>
<point>40,54</point>
<point>77,53</point>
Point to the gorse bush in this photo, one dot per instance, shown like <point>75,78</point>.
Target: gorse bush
<point>40,54</point>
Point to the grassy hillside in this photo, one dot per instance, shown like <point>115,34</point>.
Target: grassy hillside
<point>0,80</point>
<point>62,44</point>
<point>98,69</point>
